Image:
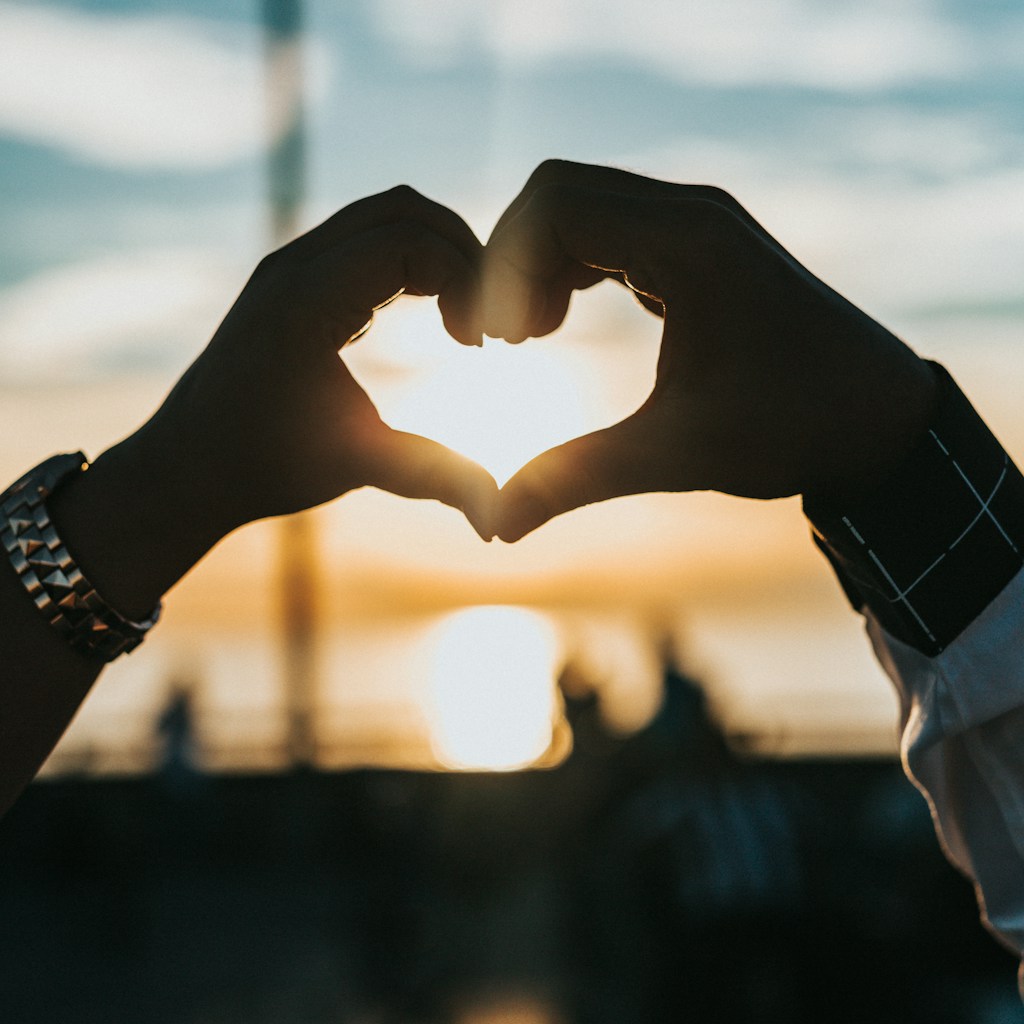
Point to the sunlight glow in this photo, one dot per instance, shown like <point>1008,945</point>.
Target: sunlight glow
<point>493,688</point>
<point>500,405</point>
<point>513,1010</point>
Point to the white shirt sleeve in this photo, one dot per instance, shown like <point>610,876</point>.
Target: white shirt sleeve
<point>934,559</point>
<point>963,747</point>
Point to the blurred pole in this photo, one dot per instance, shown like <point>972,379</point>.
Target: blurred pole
<point>298,549</point>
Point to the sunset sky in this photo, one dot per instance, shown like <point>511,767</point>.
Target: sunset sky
<point>882,144</point>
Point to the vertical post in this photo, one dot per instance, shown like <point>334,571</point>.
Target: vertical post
<point>297,541</point>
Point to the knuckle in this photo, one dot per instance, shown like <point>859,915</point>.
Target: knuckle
<point>709,222</point>
<point>404,194</point>
<point>551,170</point>
<point>716,194</point>
<point>410,236</point>
<point>721,207</point>
<point>553,197</point>
<point>272,264</point>
<point>398,199</point>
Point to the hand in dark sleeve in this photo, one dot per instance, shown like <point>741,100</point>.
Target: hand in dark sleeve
<point>768,384</point>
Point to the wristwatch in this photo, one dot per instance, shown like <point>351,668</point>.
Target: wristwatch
<point>49,573</point>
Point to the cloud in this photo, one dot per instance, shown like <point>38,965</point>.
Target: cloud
<point>140,91</point>
<point>893,242</point>
<point>144,308</point>
<point>871,45</point>
<point>926,143</point>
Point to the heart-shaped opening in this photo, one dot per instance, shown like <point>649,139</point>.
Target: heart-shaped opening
<point>504,404</point>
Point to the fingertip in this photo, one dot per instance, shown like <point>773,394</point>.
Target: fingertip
<point>589,469</point>
<point>468,339</point>
<point>504,300</point>
<point>460,312</point>
<point>466,330</point>
<point>413,466</point>
<point>511,535</point>
<point>519,515</point>
<point>480,505</point>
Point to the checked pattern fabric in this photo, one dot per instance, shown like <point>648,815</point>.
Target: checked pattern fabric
<point>929,549</point>
<point>51,576</point>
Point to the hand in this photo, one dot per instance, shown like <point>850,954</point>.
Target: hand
<point>768,383</point>
<point>268,420</point>
<point>271,413</point>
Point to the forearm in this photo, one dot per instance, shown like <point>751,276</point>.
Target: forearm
<point>139,519</point>
<point>125,524</point>
<point>42,683</point>
<point>267,421</point>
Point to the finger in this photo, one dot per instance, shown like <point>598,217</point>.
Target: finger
<point>349,281</point>
<point>589,176</point>
<point>401,203</point>
<point>608,463</point>
<point>610,180</point>
<point>628,183</point>
<point>667,251</point>
<point>655,306</point>
<point>552,302</point>
<point>562,230</point>
<point>416,467</point>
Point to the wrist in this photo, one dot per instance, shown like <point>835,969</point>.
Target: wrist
<point>136,521</point>
<point>936,541</point>
<point>867,447</point>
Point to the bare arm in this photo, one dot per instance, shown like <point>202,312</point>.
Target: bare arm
<point>267,421</point>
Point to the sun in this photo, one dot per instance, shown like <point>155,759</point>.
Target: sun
<point>499,405</point>
<point>492,697</point>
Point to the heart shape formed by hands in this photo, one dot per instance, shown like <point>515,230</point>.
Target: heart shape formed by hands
<point>768,383</point>
<point>502,405</point>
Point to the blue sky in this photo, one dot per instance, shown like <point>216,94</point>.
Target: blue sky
<point>883,142</point>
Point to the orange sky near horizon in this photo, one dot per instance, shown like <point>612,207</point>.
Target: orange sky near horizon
<point>734,586</point>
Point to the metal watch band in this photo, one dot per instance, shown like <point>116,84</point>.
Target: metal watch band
<point>66,599</point>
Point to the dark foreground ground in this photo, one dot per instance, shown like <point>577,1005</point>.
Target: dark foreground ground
<point>657,879</point>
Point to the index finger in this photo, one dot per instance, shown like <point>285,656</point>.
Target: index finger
<point>587,176</point>
<point>417,467</point>
<point>401,203</point>
<point>348,282</point>
<point>618,181</point>
<point>527,275</point>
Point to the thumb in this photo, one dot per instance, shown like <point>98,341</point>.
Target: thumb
<point>563,238</point>
<point>606,464</point>
<point>416,467</point>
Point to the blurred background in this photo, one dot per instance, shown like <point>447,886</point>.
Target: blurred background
<point>640,765</point>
